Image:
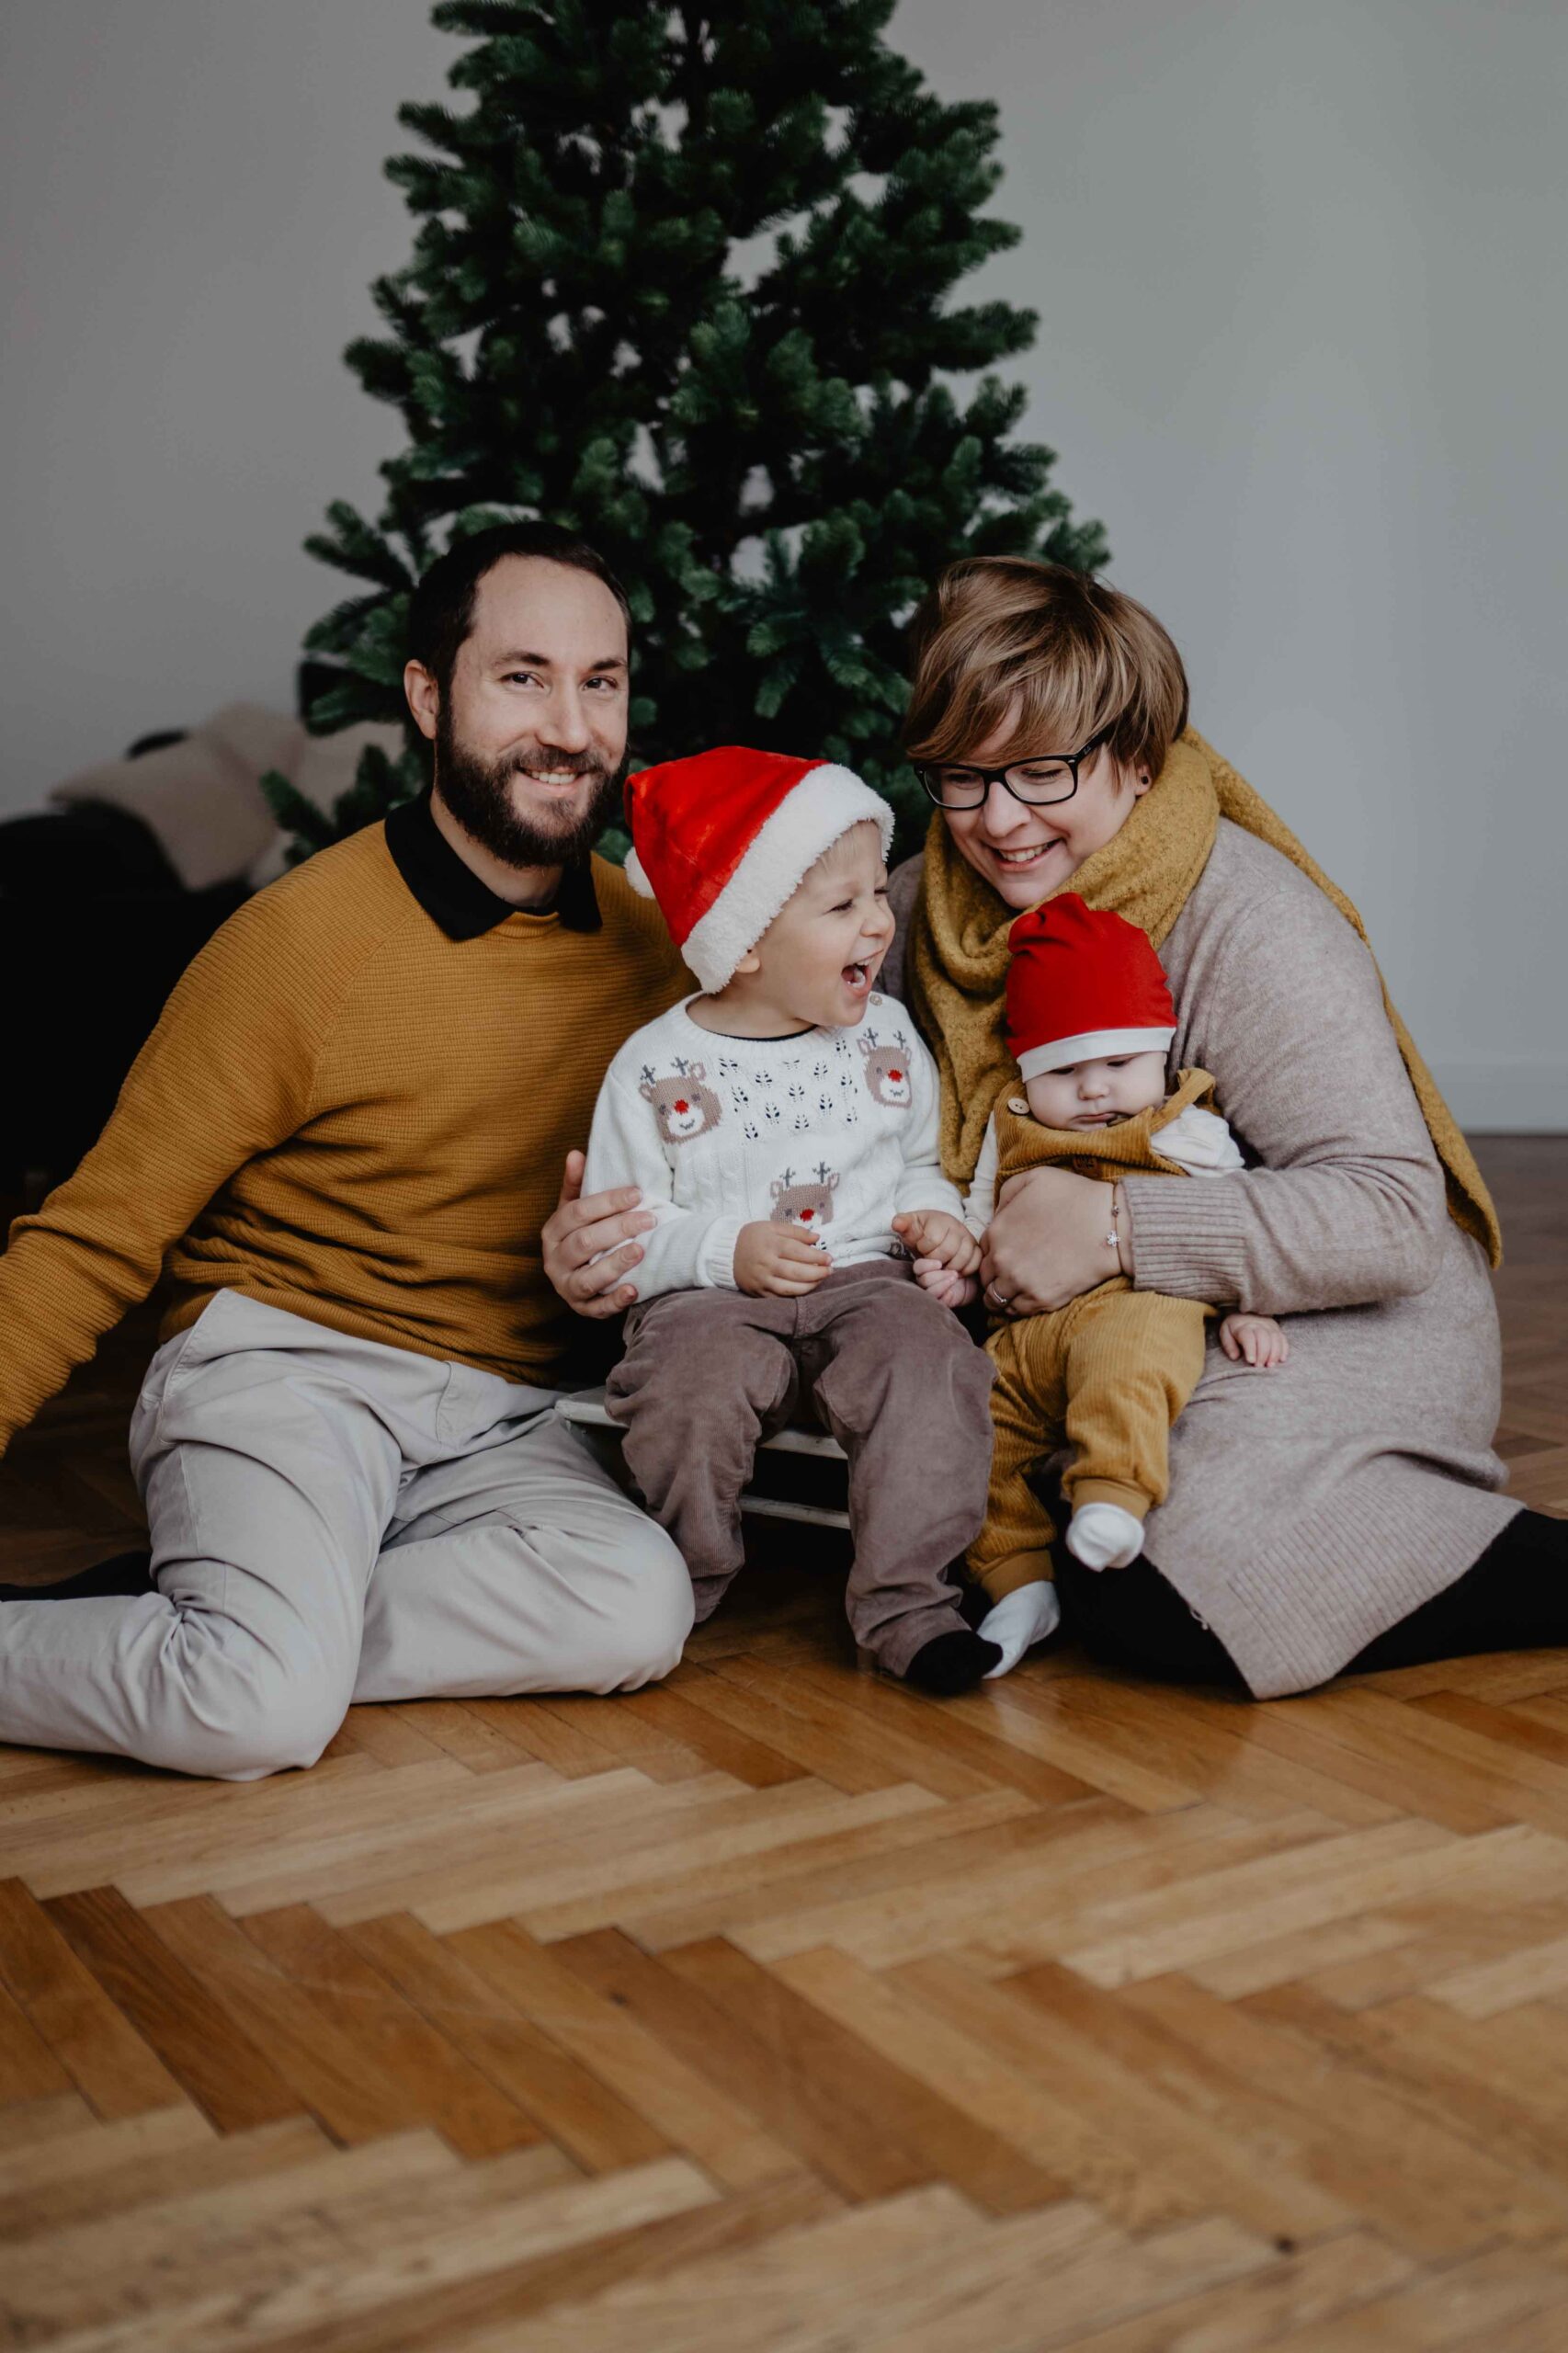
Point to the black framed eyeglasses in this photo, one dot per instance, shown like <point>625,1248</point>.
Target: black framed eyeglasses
<point>1037,783</point>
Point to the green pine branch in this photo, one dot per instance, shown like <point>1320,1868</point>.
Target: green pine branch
<point>689,282</point>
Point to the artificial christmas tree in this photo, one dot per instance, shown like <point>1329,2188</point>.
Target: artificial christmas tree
<point>682,282</point>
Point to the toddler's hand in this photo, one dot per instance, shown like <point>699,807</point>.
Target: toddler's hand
<point>1257,1339</point>
<point>937,1238</point>
<point>777,1261</point>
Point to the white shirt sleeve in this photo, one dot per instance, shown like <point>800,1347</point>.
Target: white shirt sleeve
<point>979,1202</point>
<point>686,1251</point>
<point>1200,1141</point>
<point>921,1183</point>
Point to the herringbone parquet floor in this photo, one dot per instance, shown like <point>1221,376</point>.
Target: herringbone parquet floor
<point>777,2011</point>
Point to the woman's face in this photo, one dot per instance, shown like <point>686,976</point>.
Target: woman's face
<point>1024,853</point>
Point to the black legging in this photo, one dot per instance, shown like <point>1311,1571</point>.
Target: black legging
<point>1515,1597</point>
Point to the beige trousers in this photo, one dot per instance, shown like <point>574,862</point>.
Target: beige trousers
<point>337,1521</point>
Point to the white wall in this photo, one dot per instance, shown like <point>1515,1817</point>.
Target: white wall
<point>1302,346</point>
<point>194,209</point>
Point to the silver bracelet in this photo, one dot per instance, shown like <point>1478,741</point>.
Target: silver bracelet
<point>1113,1239</point>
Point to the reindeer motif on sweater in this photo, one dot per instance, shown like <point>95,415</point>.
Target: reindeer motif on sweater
<point>683,1106</point>
<point>807,1206</point>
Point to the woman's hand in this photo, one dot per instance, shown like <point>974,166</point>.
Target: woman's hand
<point>579,1231</point>
<point>1047,1242</point>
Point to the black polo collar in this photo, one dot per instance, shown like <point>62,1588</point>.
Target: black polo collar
<point>453,894</point>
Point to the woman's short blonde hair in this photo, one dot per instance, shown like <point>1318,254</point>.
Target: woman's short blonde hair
<point>1049,653</point>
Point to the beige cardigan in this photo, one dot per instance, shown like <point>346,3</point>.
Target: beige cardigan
<point>1312,1508</point>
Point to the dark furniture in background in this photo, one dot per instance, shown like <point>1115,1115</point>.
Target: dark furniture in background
<point>95,928</point>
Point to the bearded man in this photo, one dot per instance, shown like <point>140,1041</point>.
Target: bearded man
<point>341,1145</point>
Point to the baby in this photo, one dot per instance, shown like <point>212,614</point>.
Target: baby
<point>787,1145</point>
<point>1090,1020</point>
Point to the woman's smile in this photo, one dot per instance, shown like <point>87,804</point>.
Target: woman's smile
<point>1020,861</point>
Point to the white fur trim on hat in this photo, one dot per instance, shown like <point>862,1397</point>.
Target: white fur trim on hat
<point>634,872</point>
<point>1091,1046</point>
<point>781,852</point>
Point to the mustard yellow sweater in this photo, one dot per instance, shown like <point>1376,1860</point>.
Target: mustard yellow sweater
<point>348,1113</point>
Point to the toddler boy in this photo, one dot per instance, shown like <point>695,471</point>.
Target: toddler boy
<point>787,1145</point>
<point>1090,1022</point>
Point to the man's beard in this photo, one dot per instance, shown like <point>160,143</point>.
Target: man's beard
<point>478,798</point>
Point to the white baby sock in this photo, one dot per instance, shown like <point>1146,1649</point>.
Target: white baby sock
<point>1019,1620</point>
<point>1103,1535</point>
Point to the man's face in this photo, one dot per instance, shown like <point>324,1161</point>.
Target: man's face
<point>530,736</point>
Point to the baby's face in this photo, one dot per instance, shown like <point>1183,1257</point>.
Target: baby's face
<point>1097,1094</point>
<point>819,958</point>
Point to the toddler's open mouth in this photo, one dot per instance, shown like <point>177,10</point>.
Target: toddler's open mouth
<point>857,979</point>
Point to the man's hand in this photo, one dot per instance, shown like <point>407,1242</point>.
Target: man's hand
<point>945,1252</point>
<point>1257,1339</point>
<point>1047,1242</point>
<point>777,1261</point>
<point>579,1231</point>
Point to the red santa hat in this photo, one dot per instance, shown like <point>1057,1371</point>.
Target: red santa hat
<point>1083,985</point>
<point>723,839</point>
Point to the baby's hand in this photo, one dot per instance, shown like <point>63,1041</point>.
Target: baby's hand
<point>948,1289</point>
<point>1257,1338</point>
<point>945,1252</point>
<point>777,1261</point>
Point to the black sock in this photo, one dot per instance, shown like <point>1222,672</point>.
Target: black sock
<point>128,1573</point>
<point>950,1664</point>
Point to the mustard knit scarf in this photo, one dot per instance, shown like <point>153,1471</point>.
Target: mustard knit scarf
<point>957,961</point>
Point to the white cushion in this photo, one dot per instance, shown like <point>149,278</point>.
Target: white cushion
<point>201,797</point>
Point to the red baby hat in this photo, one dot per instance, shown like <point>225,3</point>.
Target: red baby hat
<point>1081,985</point>
<point>723,839</point>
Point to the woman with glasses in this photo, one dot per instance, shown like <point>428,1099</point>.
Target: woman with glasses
<point>1346,1512</point>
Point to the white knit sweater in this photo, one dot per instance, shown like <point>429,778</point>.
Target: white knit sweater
<point>832,1133</point>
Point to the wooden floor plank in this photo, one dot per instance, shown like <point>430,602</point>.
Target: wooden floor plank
<point>625,2085</point>
<point>207,2048</point>
<point>793,2100</point>
<point>88,2031</point>
<point>321,2067</point>
<point>396,2043</point>
<point>991,2173</point>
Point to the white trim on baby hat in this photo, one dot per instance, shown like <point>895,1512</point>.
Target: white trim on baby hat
<point>1091,1046</point>
<point>810,817</point>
